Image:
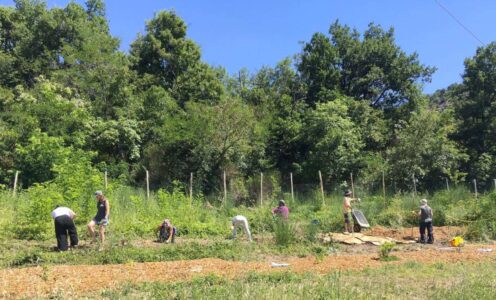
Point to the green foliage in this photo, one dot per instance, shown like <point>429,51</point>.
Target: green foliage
<point>284,232</point>
<point>423,149</point>
<point>385,251</point>
<point>474,109</point>
<point>370,68</point>
<point>480,217</point>
<point>393,215</point>
<point>71,103</point>
<point>335,139</point>
<point>33,217</point>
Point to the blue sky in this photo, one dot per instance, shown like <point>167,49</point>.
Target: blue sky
<point>251,34</point>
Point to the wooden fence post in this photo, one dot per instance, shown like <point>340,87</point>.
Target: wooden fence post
<point>147,184</point>
<point>384,189</point>
<point>191,188</point>
<point>475,187</point>
<point>261,188</point>
<point>352,186</point>
<point>322,188</point>
<point>16,176</point>
<point>414,194</point>
<point>105,180</point>
<point>447,184</point>
<point>292,192</point>
<point>225,188</point>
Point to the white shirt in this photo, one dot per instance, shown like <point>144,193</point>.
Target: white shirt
<point>239,219</point>
<point>61,211</point>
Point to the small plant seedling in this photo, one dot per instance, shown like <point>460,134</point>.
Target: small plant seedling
<point>319,253</point>
<point>385,252</point>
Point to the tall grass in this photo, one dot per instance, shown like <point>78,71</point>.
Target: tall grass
<point>135,216</point>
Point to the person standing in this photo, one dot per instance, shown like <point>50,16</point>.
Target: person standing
<point>240,221</point>
<point>347,209</point>
<point>425,222</point>
<point>64,226</point>
<point>101,218</point>
<point>281,210</point>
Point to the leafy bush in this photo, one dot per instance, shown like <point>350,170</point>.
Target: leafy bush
<point>311,230</point>
<point>33,218</point>
<point>481,218</point>
<point>393,215</point>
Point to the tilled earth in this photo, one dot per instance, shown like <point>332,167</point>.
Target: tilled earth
<point>79,280</point>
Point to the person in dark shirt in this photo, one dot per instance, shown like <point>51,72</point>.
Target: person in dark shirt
<point>166,232</point>
<point>425,222</point>
<point>101,218</point>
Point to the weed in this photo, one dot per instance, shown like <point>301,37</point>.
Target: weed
<point>284,232</point>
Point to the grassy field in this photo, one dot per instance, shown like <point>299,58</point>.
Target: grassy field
<point>28,240</point>
<point>23,254</point>
<point>406,281</point>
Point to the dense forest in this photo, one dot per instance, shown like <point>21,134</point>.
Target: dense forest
<point>71,102</point>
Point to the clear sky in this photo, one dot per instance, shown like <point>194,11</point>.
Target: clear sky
<point>254,33</point>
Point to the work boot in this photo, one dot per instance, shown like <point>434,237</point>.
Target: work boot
<point>422,239</point>
<point>430,240</point>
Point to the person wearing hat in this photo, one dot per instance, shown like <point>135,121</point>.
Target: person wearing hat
<point>425,222</point>
<point>166,232</point>
<point>64,226</point>
<point>101,218</point>
<point>281,210</point>
<point>240,221</point>
<point>348,199</point>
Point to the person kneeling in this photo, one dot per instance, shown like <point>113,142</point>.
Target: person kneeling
<point>166,232</point>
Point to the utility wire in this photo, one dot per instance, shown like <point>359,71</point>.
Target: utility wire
<point>459,22</point>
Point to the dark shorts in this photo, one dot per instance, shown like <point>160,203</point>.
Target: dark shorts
<point>347,217</point>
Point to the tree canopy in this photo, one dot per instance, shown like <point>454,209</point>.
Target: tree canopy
<point>348,102</point>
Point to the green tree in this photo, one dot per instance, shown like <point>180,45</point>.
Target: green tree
<point>36,159</point>
<point>164,56</point>
<point>372,68</point>
<point>422,147</point>
<point>475,110</point>
<point>336,141</point>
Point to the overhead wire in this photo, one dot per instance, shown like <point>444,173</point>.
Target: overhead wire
<point>459,22</point>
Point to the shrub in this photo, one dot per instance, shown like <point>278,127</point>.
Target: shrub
<point>393,215</point>
<point>385,251</point>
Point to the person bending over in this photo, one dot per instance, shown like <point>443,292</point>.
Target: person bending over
<point>64,226</point>
<point>240,221</point>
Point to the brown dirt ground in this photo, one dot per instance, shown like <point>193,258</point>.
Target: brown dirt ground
<point>444,233</point>
<point>73,281</point>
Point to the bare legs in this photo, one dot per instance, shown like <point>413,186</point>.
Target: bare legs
<point>101,231</point>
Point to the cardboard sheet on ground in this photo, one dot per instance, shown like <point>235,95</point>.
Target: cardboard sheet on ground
<point>359,239</point>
